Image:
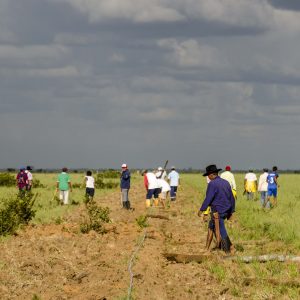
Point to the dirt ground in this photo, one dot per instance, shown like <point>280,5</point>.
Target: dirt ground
<point>58,262</point>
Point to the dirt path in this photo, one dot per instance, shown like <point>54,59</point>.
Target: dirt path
<point>58,262</point>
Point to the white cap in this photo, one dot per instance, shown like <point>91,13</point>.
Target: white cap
<point>159,168</point>
<point>124,166</point>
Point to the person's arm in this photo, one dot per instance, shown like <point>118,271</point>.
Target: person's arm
<point>146,181</point>
<point>57,186</point>
<point>210,194</point>
<point>70,185</point>
<point>233,183</point>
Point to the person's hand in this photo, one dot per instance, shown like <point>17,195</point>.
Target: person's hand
<point>230,218</point>
<point>204,218</point>
<point>200,214</point>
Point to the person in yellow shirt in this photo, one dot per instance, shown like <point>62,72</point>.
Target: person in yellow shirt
<point>227,175</point>
<point>250,184</point>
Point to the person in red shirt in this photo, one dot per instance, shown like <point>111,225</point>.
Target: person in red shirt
<point>22,180</point>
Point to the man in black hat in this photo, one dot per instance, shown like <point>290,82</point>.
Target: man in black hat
<point>219,196</point>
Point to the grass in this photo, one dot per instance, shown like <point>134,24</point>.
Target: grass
<point>279,226</point>
<point>47,208</point>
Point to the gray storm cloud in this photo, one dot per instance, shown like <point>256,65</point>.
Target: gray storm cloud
<point>94,83</point>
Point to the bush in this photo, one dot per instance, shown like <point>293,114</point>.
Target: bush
<point>7,179</point>
<point>16,211</point>
<point>36,183</point>
<point>109,174</point>
<point>97,216</point>
<point>100,184</point>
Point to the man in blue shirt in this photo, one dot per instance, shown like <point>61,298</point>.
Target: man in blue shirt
<point>174,182</point>
<point>221,200</point>
<point>272,181</point>
<point>125,186</point>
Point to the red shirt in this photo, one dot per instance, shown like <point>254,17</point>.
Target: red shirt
<point>22,179</point>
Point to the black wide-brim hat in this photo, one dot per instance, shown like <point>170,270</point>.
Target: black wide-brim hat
<point>211,169</point>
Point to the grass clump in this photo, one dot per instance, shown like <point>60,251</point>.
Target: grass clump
<point>97,216</point>
<point>142,221</point>
<point>16,211</point>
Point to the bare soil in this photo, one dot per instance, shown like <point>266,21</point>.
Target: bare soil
<point>58,262</point>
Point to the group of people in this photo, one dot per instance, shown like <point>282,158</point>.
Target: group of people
<point>221,196</point>
<point>157,183</point>
<point>267,186</point>
<point>219,201</point>
<point>24,179</point>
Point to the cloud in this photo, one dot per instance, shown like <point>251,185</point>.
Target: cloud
<point>284,4</point>
<point>190,53</point>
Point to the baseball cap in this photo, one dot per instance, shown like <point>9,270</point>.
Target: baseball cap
<point>227,168</point>
<point>124,166</point>
<point>159,168</point>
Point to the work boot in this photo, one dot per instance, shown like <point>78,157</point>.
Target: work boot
<point>226,244</point>
<point>148,203</point>
<point>124,204</point>
<point>127,204</point>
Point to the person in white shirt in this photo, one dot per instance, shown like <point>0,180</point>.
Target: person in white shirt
<point>161,173</point>
<point>90,185</point>
<point>263,188</point>
<point>164,190</point>
<point>227,175</point>
<point>151,184</point>
<point>250,184</point>
<point>30,178</point>
<point>174,182</point>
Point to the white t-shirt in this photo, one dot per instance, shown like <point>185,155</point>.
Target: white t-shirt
<point>262,184</point>
<point>158,174</point>
<point>152,181</point>
<point>251,177</point>
<point>29,175</point>
<point>90,182</point>
<point>165,187</point>
<point>174,178</point>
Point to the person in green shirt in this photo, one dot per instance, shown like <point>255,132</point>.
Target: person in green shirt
<point>64,185</point>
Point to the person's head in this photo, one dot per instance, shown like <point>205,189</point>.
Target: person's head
<point>22,169</point>
<point>64,169</point>
<point>274,168</point>
<point>228,168</point>
<point>212,172</point>
<point>124,167</point>
<point>159,168</point>
<point>144,172</point>
<point>28,168</point>
<point>266,170</point>
<point>250,170</point>
<point>89,173</point>
<point>173,168</point>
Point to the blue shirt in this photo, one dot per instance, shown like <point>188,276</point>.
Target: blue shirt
<point>271,180</point>
<point>219,196</point>
<point>174,178</point>
<point>125,180</point>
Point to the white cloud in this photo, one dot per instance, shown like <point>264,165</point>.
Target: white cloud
<point>137,11</point>
<point>190,53</point>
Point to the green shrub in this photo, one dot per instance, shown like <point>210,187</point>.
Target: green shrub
<point>36,183</point>
<point>109,174</point>
<point>100,184</point>
<point>7,179</point>
<point>142,221</point>
<point>97,216</point>
<point>16,211</point>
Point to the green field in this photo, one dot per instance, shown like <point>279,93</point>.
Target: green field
<point>280,223</point>
<point>46,206</point>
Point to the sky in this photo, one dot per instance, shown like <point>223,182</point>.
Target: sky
<point>98,83</point>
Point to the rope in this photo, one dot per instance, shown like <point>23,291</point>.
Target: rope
<point>131,261</point>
